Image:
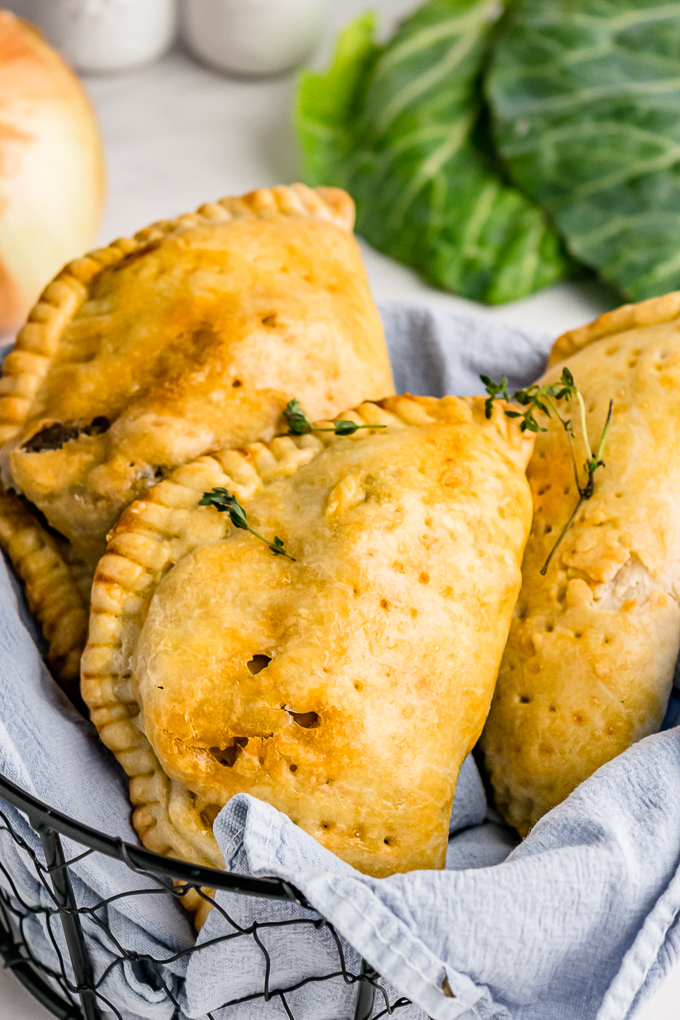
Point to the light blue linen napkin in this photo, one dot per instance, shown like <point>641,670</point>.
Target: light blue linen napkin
<point>578,921</point>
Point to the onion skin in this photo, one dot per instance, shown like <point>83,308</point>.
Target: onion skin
<point>51,167</point>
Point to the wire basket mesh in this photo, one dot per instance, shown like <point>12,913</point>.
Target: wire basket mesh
<point>70,990</point>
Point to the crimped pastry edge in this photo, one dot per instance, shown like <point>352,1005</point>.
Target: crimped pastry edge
<point>140,552</point>
<point>52,591</point>
<point>651,312</point>
<point>37,342</point>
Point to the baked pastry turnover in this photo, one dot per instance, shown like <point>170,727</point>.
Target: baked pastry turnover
<point>589,663</point>
<point>190,337</point>
<point>344,687</point>
<point>51,584</point>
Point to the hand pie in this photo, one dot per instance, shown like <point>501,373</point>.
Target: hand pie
<point>191,337</point>
<point>346,687</point>
<point>590,659</point>
<point>51,585</point>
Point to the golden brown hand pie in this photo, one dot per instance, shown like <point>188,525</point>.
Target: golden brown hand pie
<point>191,337</point>
<point>344,688</point>
<point>51,587</point>
<point>590,659</point>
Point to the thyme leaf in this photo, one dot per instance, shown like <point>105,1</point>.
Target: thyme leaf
<point>545,399</point>
<point>299,424</point>
<point>296,419</point>
<point>224,502</point>
<point>494,390</point>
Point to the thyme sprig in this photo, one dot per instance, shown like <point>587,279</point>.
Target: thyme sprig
<point>545,399</point>
<point>299,424</point>
<point>225,502</point>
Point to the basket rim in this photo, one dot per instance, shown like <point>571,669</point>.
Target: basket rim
<point>44,818</point>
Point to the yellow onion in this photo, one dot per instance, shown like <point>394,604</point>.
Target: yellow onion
<point>51,167</point>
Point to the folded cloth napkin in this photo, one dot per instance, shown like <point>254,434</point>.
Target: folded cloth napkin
<point>580,920</point>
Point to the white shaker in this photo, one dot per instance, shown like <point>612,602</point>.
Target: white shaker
<point>253,37</point>
<point>108,35</point>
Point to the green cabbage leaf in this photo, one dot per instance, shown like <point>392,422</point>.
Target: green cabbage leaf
<point>586,102</point>
<point>402,128</point>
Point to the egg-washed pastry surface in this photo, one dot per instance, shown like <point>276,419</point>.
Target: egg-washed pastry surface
<point>344,688</point>
<point>589,663</point>
<point>190,337</point>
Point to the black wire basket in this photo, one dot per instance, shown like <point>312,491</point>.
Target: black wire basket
<point>73,993</point>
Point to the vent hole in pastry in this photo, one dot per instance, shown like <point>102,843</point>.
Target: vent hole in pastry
<point>209,814</point>
<point>258,663</point>
<point>237,384</point>
<point>388,841</point>
<point>384,604</point>
<point>228,755</point>
<point>552,709</point>
<point>308,720</point>
<point>579,717</point>
<point>293,767</point>
<point>54,436</point>
<point>607,640</point>
<point>358,686</point>
<point>326,825</point>
<point>548,529</point>
<point>424,578</point>
<point>619,495</point>
<point>549,628</point>
<point>542,492</point>
<point>524,699</point>
<point>270,320</point>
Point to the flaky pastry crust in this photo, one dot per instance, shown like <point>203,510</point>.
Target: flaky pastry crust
<point>190,337</point>
<point>592,649</point>
<point>344,688</point>
<point>52,591</point>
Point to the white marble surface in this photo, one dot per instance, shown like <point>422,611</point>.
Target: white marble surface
<point>178,135</point>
